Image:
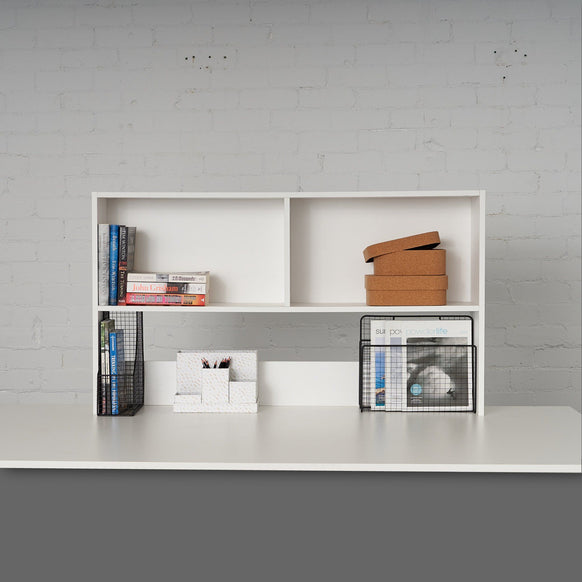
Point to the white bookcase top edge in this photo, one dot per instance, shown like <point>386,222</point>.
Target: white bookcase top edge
<point>293,195</point>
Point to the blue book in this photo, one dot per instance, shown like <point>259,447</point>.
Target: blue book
<point>113,260</point>
<point>117,365</point>
<point>380,377</point>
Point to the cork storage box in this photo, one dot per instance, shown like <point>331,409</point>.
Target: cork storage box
<point>407,271</point>
<point>412,262</point>
<point>406,290</point>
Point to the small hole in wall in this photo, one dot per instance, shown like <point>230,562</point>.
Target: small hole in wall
<point>515,51</point>
<point>525,55</point>
<point>494,52</point>
<point>504,77</point>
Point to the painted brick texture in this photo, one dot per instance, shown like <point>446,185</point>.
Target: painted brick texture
<point>312,95</point>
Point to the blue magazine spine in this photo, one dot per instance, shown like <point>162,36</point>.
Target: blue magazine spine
<point>380,377</point>
<point>114,365</point>
<point>113,260</point>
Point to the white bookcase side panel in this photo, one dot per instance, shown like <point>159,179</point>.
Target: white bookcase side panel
<point>241,242</point>
<point>99,216</point>
<point>328,236</point>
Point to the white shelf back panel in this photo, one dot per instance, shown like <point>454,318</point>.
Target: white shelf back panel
<point>241,242</point>
<point>328,236</point>
<point>279,383</point>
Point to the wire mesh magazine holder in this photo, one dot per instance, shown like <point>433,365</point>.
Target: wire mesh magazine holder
<point>417,364</point>
<point>120,379</point>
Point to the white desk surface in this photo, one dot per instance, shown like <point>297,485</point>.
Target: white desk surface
<point>506,439</point>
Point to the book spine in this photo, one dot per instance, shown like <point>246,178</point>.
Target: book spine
<point>148,277</point>
<point>131,231</point>
<point>103,269</point>
<point>186,288</point>
<point>122,269</point>
<point>114,372</point>
<point>378,364</point>
<point>113,259</point>
<point>104,368</point>
<point>187,278</point>
<point>167,277</point>
<point>164,299</point>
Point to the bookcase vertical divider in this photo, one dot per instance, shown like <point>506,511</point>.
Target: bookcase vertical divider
<point>287,250</point>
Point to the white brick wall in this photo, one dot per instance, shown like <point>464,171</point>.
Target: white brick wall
<point>367,94</point>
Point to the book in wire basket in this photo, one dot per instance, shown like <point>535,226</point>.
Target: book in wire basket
<point>420,364</point>
<point>120,380</point>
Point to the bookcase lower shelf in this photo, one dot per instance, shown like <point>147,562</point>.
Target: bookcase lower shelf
<point>293,438</point>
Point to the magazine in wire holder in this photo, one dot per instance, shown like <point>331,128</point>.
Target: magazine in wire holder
<point>417,364</point>
<point>120,381</point>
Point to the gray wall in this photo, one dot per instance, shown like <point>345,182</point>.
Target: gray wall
<point>313,95</point>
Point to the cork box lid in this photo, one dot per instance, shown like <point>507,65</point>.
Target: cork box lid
<point>426,240</point>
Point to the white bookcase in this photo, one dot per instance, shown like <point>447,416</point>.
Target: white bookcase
<point>290,253</point>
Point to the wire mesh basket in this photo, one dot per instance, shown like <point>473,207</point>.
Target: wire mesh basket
<point>120,380</point>
<point>426,373</point>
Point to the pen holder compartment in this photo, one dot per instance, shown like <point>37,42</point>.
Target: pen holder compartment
<point>215,385</point>
<point>216,390</point>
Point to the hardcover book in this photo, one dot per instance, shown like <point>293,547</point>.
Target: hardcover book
<point>187,288</point>
<point>106,327</point>
<point>122,265</point>
<point>164,299</point>
<point>103,264</point>
<point>195,277</point>
<point>117,364</point>
<point>113,260</point>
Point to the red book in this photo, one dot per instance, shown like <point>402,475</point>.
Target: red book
<point>164,299</point>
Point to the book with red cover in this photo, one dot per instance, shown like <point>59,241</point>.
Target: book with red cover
<point>179,288</point>
<point>164,299</point>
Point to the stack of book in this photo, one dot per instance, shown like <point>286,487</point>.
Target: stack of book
<point>167,288</point>
<point>116,250</point>
<point>407,271</point>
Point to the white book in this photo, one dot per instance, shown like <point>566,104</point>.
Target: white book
<point>103,264</point>
<point>193,277</point>
<point>430,364</point>
<point>378,364</point>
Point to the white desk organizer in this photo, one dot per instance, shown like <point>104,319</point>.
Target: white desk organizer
<point>232,389</point>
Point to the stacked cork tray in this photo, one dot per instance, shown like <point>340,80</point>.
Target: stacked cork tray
<point>407,271</point>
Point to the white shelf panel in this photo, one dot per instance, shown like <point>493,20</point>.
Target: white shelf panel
<point>457,307</point>
<point>328,238</point>
<point>505,439</point>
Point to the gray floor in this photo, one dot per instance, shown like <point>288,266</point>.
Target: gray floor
<point>87,525</point>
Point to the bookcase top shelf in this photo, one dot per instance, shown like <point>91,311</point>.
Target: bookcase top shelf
<point>282,195</point>
<point>299,308</point>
